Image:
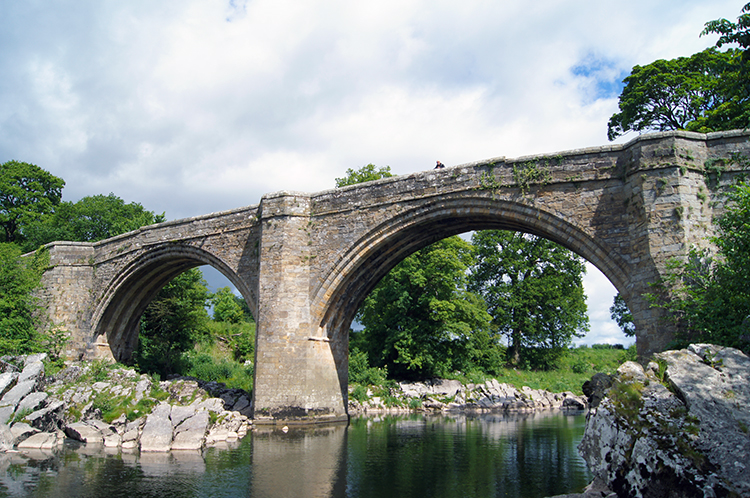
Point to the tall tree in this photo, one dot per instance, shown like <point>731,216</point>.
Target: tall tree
<point>420,319</point>
<point>533,288</point>
<point>620,313</point>
<point>732,32</point>
<point>27,192</point>
<point>90,219</point>
<point>697,93</point>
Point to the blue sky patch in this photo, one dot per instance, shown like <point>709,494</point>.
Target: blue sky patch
<point>604,76</point>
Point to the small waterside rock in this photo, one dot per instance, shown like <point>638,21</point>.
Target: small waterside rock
<point>680,428</point>
<point>452,395</point>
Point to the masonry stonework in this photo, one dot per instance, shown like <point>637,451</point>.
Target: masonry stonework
<point>304,262</point>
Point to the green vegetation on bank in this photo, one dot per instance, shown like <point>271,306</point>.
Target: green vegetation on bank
<point>574,367</point>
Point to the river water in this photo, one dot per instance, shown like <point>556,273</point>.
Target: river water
<point>516,455</point>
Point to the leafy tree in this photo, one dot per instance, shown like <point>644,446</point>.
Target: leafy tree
<point>533,288</point>
<point>227,307</point>
<point>364,174</point>
<point>731,32</point>
<point>172,323</point>
<point>620,313</point>
<point>710,297</point>
<point>420,319</point>
<point>27,192</point>
<point>90,219</point>
<point>18,278</point>
<point>697,93</point>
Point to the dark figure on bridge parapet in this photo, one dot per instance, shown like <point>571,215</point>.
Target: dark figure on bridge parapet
<point>439,165</point>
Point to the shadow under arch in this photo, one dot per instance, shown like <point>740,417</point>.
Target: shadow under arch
<point>117,318</point>
<point>368,260</point>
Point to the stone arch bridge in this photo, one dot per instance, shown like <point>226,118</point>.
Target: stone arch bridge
<point>304,262</point>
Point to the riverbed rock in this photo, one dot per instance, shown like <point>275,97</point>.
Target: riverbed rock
<point>451,395</point>
<point>7,438</point>
<point>81,431</point>
<point>684,434</point>
<point>191,433</point>
<point>34,401</point>
<point>157,432</point>
<point>32,371</point>
<point>49,418</point>
<point>22,431</point>
<point>596,388</point>
<point>7,381</point>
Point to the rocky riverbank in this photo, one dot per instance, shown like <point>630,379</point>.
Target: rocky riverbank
<point>113,406</point>
<point>452,395</point>
<point>678,428</point>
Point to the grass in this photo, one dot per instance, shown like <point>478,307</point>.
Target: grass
<point>574,368</point>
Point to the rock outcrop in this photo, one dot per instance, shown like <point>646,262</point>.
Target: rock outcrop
<point>679,428</point>
<point>452,395</point>
<point>180,414</point>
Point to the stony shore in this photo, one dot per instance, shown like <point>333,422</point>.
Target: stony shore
<point>114,407</point>
<point>451,395</point>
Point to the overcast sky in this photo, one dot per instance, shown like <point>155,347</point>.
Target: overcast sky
<point>195,106</point>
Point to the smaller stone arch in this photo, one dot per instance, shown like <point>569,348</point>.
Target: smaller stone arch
<point>116,321</point>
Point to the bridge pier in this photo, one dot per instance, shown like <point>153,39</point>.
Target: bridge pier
<point>296,376</point>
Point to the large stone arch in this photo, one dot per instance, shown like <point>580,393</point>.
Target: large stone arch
<point>376,253</point>
<point>366,262</point>
<point>116,320</point>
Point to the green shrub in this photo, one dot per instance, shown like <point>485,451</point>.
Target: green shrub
<point>359,393</point>
<point>360,371</point>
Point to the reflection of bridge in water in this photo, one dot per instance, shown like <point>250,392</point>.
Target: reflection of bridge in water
<point>304,262</point>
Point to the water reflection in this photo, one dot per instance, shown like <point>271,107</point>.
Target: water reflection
<point>523,455</point>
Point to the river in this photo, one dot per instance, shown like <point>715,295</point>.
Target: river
<point>517,455</point>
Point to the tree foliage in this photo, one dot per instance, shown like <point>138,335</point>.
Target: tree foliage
<point>90,219</point>
<point>18,279</point>
<point>172,323</point>
<point>620,313</point>
<point>710,298</point>
<point>27,192</point>
<point>732,32</point>
<point>697,93</point>
<point>364,174</point>
<point>420,319</point>
<point>533,289</point>
<point>227,307</point>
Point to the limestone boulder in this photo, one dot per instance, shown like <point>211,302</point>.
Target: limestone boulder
<point>32,371</point>
<point>49,418</point>
<point>157,432</point>
<point>7,381</point>
<point>22,431</point>
<point>682,434</point>
<point>7,439</point>
<point>34,401</point>
<point>85,433</point>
